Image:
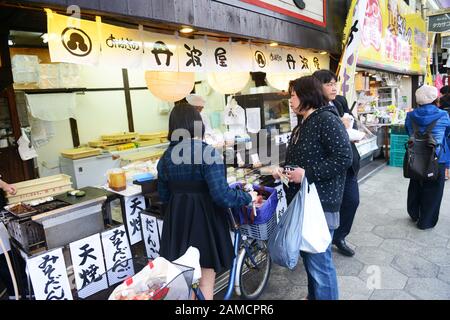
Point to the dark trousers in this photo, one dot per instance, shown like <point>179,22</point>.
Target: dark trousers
<point>424,200</point>
<point>350,203</point>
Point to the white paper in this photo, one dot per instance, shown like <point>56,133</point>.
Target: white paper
<point>133,208</point>
<point>152,229</point>
<point>255,158</point>
<point>117,255</point>
<point>49,276</point>
<point>88,265</point>
<point>253,120</point>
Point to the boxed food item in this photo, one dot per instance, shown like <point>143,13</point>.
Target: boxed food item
<point>39,188</point>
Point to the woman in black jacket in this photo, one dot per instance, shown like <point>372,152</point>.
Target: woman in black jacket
<point>320,147</point>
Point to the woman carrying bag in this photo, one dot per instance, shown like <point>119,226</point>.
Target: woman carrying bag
<point>319,150</point>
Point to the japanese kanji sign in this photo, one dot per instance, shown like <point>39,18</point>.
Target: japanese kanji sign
<point>117,255</point>
<point>151,229</point>
<point>133,207</point>
<point>88,265</point>
<point>97,43</point>
<point>49,276</point>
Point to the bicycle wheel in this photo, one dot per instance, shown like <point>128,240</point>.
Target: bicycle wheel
<point>253,270</point>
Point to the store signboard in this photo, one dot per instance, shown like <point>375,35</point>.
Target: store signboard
<point>312,11</point>
<point>117,255</point>
<point>49,276</point>
<point>133,207</point>
<point>109,45</point>
<point>88,265</point>
<point>393,38</point>
<point>151,230</point>
<point>439,23</point>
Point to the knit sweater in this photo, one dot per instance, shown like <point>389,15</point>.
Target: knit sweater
<point>321,146</point>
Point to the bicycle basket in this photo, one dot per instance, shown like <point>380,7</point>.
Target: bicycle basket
<point>178,288</point>
<point>259,231</point>
<point>264,213</point>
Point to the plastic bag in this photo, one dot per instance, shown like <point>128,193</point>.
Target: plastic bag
<point>315,235</point>
<point>284,243</point>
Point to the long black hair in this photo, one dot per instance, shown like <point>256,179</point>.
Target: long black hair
<point>309,91</point>
<point>184,116</point>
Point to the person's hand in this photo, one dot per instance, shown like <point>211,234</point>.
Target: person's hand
<point>254,195</point>
<point>347,122</point>
<point>296,175</point>
<point>9,188</point>
<point>277,173</point>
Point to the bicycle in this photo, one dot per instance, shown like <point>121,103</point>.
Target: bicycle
<point>251,267</point>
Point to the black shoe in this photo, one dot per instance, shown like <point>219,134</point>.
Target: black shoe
<point>343,248</point>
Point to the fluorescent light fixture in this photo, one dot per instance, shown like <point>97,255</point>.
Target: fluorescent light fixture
<point>186,30</point>
<point>323,52</point>
<point>273,44</point>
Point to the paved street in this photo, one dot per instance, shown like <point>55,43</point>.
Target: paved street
<point>393,260</point>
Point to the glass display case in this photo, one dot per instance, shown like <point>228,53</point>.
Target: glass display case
<point>274,109</point>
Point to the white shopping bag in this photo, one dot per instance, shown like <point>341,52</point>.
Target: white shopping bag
<point>315,233</point>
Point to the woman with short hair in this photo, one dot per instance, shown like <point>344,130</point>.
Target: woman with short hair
<point>320,148</point>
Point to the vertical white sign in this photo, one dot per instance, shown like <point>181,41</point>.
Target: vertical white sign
<point>160,52</point>
<point>49,276</point>
<point>192,55</point>
<point>219,56</point>
<point>282,203</point>
<point>121,47</point>
<point>88,265</point>
<point>133,207</point>
<point>276,60</point>
<point>152,229</point>
<point>117,255</point>
<point>72,40</point>
<point>350,54</point>
<point>261,58</point>
<point>241,57</point>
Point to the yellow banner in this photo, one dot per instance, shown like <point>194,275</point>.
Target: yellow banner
<point>393,39</point>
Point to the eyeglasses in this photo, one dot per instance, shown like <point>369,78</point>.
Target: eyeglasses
<point>331,84</point>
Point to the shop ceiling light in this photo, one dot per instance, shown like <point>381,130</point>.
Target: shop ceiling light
<point>170,86</point>
<point>323,52</point>
<point>273,44</point>
<point>186,30</point>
